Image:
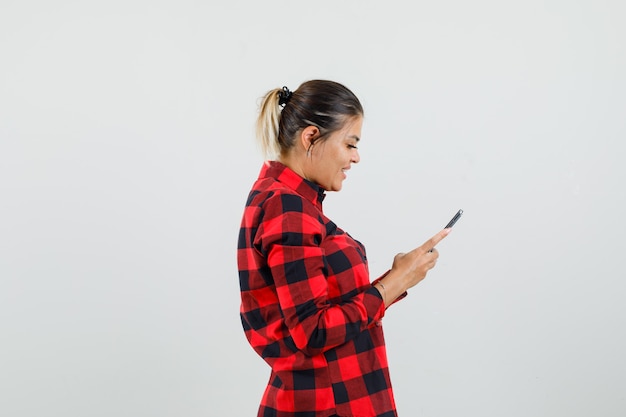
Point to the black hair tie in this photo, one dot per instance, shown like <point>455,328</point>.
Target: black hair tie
<point>283,96</point>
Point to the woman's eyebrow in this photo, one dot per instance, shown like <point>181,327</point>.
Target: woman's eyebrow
<point>354,137</point>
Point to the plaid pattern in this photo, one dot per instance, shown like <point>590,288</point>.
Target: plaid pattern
<point>307,305</point>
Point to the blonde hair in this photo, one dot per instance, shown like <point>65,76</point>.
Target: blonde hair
<point>321,103</point>
<point>267,124</point>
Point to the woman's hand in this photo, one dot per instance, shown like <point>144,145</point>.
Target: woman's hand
<point>410,268</point>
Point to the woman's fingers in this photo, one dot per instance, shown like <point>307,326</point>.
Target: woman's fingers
<point>430,244</point>
<point>415,264</point>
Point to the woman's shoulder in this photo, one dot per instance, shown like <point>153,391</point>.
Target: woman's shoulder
<point>274,199</point>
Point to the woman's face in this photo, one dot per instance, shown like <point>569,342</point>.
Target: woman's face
<point>331,158</point>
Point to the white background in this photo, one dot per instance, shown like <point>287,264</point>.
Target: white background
<point>127,151</point>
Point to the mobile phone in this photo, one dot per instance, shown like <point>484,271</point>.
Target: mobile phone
<point>456,217</point>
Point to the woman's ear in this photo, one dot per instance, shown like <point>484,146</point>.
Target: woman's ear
<point>308,136</point>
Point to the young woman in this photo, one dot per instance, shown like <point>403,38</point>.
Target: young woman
<point>308,307</point>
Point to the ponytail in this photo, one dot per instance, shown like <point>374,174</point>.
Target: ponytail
<point>267,124</point>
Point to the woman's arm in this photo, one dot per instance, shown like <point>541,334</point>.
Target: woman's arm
<point>290,238</point>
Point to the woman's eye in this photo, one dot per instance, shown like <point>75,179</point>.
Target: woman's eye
<point>352,147</point>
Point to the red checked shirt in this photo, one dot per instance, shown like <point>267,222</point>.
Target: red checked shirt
<point>307,305</point>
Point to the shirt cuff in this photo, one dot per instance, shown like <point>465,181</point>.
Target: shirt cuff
<point>400,297</point>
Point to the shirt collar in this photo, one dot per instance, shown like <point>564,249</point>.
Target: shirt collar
<point>286,176</point>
